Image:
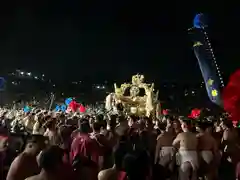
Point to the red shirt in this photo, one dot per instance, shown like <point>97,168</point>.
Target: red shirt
<point>85,146</point>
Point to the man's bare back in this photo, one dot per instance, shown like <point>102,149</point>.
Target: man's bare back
<point>164,150</point>
<point>23,167</point>
<point>186,141</point>
<point>165,139</point>
<point>206,142</point>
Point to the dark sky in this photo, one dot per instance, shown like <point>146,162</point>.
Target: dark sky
<point>109,39</point>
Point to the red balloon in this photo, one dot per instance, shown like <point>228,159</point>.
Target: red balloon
<point>74,106</point>
<point>195,113</point>
<point>165,111</point>
<point>82,109</point>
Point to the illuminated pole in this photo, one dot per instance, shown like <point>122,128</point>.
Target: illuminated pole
<point>52,97</point>
<point>210,50</point>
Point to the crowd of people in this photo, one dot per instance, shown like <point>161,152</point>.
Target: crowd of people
<point>49,145</point>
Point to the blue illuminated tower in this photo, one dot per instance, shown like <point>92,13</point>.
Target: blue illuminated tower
<point>200,23</point>
<point>206,59</point>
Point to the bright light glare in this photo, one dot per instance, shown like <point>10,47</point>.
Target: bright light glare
<point>22,73</point>
<point>29,74</point>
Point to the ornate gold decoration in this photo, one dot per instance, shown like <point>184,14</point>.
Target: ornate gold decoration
<point>137,79</point>
<point>135,104</point>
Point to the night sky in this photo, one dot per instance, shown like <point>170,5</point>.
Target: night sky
<point>107,40</point>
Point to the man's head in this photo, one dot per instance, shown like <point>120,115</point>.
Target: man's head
<point>96,126</point>
<point>51,159</point>
<point>137,165</point>
<point>36,143</point>
<point>62,118</point>
<point>186,124</point>
<point>226,124</point>
<point>64,132</point>
<point>99,118</point>
<point>132,120</point>
<point>162,126</point>
<point>84,126</point>
<point>201,126</point>
<point>169,120</point>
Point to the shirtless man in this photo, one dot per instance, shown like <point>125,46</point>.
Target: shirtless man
<point>169,124</point>
<point>37,127</point>
<point>187,153</point>
<point>230,135</point>
<point>51,131</point>
<point>29,121</point>
<point>164,150</point>
<point>177,127</point>
<point>208,150</point>
<point>122,128</point>
<point>25,165</point>
<point>115,173</point>
<point>51,162</point>
<point>230,143</point>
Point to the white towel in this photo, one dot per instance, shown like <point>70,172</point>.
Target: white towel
<point>166,155</point>
<point>207,156</point>
<point>188,156</point>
